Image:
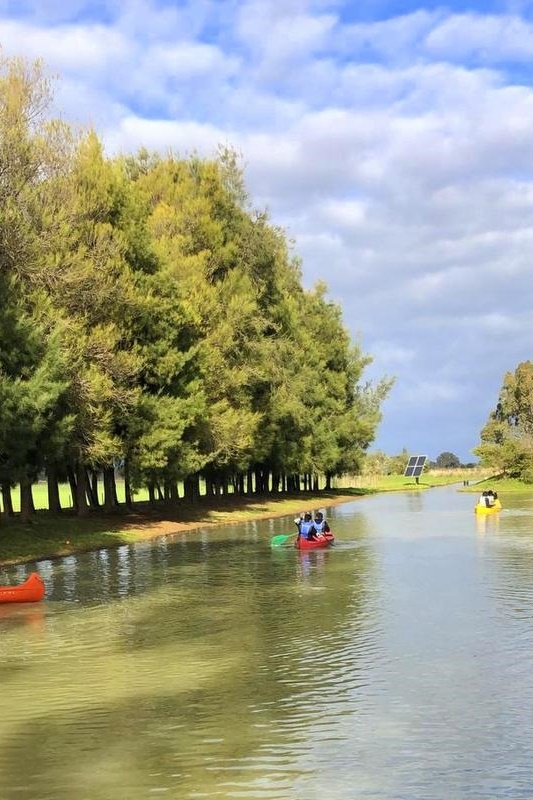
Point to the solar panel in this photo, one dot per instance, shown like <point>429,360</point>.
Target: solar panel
<point>414,467</point>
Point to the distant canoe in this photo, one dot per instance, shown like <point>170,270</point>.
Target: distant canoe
<point>480,508</point>
<point>31,591</point>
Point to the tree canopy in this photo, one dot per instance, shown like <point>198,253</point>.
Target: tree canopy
<point>507,437</point>
<point>152,320</point>
<point>447,460</point>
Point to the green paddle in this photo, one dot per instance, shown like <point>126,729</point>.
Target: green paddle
<point>280,539</point>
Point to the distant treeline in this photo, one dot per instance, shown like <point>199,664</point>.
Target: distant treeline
<point>380,463</point>
<point>152,321</point>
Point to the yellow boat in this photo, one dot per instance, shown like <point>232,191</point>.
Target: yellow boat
<point>480,508</point>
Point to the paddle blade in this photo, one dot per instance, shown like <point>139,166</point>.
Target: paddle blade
<point>277,541</point>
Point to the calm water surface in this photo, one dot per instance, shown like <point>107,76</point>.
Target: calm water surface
<point>396,666</point>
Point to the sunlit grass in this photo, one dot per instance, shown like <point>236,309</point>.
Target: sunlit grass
<point>56,535</point>
<point>504,485</point>
<point>393,483</point>
<point>50,535</point>
<point>40,496</point>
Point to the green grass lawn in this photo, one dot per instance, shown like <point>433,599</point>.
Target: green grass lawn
<point>396,483</point>
<point>40,495</point>
<point>49,535</point>
<point>58,535</point>
<point>503,486</point>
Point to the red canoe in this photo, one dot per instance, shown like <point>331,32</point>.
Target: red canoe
<point>31,591</point>
<point>312,544</point>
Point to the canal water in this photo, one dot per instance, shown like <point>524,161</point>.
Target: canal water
<point>396,666</point>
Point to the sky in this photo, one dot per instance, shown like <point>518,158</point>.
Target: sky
<point>392,140</point>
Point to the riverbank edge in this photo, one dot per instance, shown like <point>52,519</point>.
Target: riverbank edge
<point>57,536</point>
<point>52,537</point>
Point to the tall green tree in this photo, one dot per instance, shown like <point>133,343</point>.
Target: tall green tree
<point>153,319</point>
<point>31,379</point>
<point>447,460</point>
<point>97,248</point>
<point>507,437</point>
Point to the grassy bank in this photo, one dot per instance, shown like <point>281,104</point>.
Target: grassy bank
<point>399,483</point>
<point>50,536</point>
<point>503,486</point>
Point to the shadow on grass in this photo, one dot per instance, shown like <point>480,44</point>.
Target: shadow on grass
<point>57,535</point>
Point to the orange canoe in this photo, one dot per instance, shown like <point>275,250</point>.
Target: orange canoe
<point>31,591</point>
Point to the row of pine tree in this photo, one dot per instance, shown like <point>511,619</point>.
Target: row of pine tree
<point>152,322</point>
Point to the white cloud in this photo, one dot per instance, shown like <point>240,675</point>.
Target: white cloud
<point>499,323</point>
<point>430,391</point>
<point>348,214</point>
<point>186,60</point>
<point>292,33</point>
<point>85,50</point>
<point>489,39</point>
<point>404,173</point>
<point>164,135</point>
<point>395,356</point>
<point>391,38</point>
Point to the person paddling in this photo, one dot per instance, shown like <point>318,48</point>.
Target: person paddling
<point>321,524</point>
<point>484,500</point>
<point>306,528</point>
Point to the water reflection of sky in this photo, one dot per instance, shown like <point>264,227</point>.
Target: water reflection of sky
<point>395,666</point>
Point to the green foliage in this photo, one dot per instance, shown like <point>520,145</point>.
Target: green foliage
<point>379,463</point>
<point>447,460</point>
<point>507,437</point>
<point>151,318</point>
<point>32,383</point>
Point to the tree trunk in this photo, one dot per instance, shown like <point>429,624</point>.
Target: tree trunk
<point>249,482</point>
<point>328,481</point>
<point>26,500</point>
<point>151,494</point>
<point>73,487</point>
<point>94,486</point>
<point>191,488</point>
<point>7,500</point>
<point>92,489</point>
<point>54,503</point>
<point>109,490</point>
<point>169,490</point>
<point>114,493</point>
<point>127,485</point>
<point>81,491</point>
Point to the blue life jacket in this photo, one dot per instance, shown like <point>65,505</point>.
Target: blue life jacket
<point>304,528</point>
<point>319,526</point>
